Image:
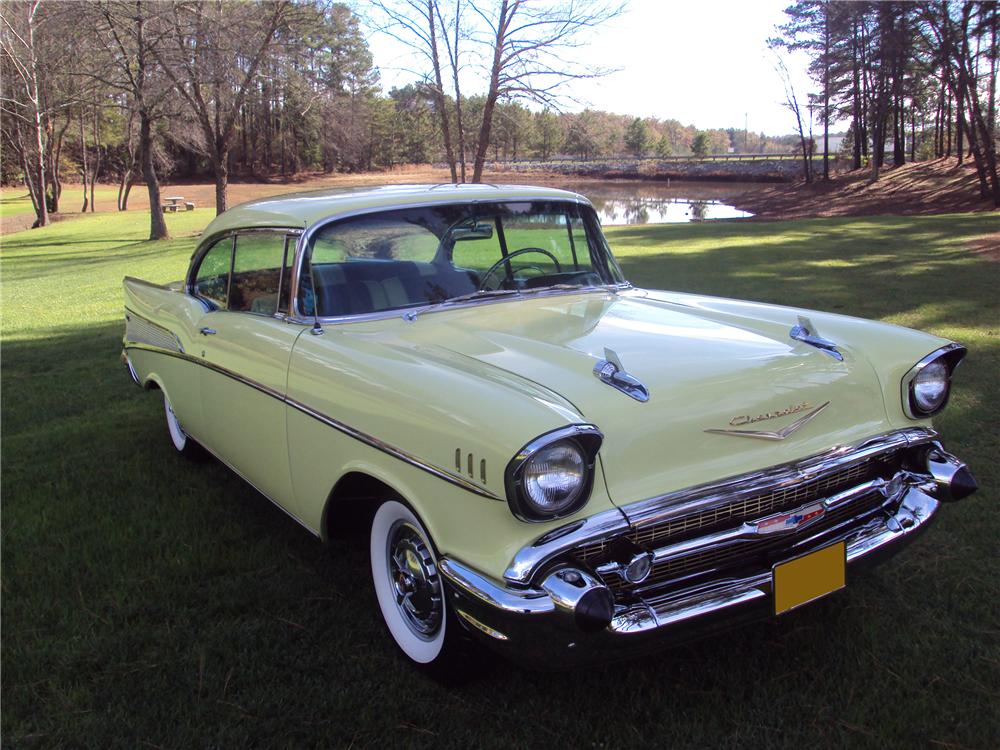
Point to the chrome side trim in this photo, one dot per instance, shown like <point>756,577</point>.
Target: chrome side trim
<point>242,476</point>
<point>143,282</point>
<point>779,434</point>
<point>955,353</point>
<point>392,450</point>
<point>655,510</point>
<point>329,421</point>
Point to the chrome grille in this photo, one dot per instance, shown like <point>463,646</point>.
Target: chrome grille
<point>745,552</point>
<point>756,506</point>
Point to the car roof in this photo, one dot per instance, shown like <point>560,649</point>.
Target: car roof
<point>304,209</point>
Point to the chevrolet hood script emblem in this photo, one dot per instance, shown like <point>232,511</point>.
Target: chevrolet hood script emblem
<point>776,435</point>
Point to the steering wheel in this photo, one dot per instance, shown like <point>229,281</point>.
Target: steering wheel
<point>492,269</point>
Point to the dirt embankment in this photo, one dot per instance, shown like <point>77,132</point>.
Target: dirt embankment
<point>932,187</point>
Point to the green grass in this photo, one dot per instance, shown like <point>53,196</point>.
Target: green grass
<point>148,602</point>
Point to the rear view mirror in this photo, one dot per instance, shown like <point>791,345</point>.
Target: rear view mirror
<point>472,230</point>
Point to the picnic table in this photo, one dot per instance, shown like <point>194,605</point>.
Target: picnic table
<point>175,204</point>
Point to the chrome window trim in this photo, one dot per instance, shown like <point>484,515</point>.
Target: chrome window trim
<point>296,315</point>
<point>211,241</point>
<point>342,427</point>
<point>657,509</point>
<point>951,351</point>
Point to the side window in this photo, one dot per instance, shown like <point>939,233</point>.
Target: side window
<point>212,278</point>
<point>258,271</point>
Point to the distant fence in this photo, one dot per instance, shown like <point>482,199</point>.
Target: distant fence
<point>688,158</point>
<point>716,167</point>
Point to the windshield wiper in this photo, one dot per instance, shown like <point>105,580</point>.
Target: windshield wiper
<point>481,294</point>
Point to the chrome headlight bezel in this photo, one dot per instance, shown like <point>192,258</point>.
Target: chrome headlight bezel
<point>585,438</point>
<point>950,356</point>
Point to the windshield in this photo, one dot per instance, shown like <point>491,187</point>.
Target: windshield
<point>456,252</point>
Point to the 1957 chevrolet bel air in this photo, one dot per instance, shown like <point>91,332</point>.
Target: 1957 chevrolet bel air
<point>553,461</point>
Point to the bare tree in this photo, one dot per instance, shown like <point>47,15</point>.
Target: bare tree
<point>131,30</point>
<point>415,24</point>
<point>214,54</point>
<point>454,61</point>
<point>529,45</point>
<point>18,42</point>
<point>792,103</point>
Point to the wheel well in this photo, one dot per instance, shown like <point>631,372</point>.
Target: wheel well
<point>352,504</point>
<point>151,385</point>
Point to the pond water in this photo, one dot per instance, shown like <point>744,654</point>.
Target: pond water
<point>628,202</point>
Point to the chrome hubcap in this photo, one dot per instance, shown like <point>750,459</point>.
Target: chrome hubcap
<point>415,581</point>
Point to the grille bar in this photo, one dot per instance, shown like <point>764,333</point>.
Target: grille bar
<point>757,505</point>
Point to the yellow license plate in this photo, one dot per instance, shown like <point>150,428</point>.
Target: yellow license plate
<point>809,577</point>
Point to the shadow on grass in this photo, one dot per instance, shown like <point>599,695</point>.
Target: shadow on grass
<point>150,600</point>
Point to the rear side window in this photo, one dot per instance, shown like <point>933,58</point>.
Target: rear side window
<point>212,279</point>
<point>260,281</point>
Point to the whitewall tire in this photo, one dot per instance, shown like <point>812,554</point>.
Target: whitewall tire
<point>180,439</point>
<point>408,583</point>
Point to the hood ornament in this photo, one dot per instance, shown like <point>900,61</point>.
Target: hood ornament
<point>805,332</point>
<point>611,371</point>
<point>777,435</point>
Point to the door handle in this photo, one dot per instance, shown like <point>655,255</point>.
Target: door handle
<point>207,332</point>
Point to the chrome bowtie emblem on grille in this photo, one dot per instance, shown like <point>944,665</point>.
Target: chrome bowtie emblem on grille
<point>775,435</point>
<point>791,520</point>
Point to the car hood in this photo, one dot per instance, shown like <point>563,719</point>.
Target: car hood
<point>704,371</point>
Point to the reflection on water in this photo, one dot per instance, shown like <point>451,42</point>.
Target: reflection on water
<point>658,203</point>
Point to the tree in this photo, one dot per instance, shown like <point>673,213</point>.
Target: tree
<point>528,45</point>
<point>130,31</point>
<point>664,147</point>
<point>699,146</point>
<point>214,54</point>
<point>548,134</point>
<point>637,139</point>
<point>21,63</point>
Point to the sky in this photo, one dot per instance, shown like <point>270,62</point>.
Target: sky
<point>703,63</point>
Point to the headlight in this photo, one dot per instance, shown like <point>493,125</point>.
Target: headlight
<point>928,383</point>
<point>552,476</point>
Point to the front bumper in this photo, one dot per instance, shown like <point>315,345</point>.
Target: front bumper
<point>569,617</point>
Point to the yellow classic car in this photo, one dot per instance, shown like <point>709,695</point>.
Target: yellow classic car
<point>551,461</point>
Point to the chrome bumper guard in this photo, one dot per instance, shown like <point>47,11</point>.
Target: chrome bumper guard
<point>570,616</point>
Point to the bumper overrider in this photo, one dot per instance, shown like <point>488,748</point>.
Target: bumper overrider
<point>664,570</point>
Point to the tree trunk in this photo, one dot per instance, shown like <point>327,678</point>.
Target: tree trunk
<point>86,173</point>
<point>220,164</point>
<point>439,93</point>
<point>826,91</point>
<point>97,157</point>
<point>492,94</point>
<point>157,224</point>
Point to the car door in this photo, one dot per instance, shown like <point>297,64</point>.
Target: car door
<point>245,345</point>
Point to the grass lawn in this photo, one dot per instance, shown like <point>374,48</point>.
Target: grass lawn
<point>149,602</point>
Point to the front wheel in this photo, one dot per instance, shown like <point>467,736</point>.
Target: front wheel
<point>411,594</point>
